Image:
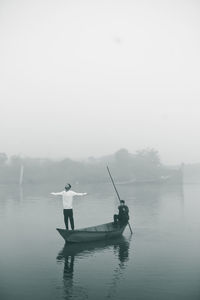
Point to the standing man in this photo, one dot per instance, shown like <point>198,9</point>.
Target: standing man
<point>67,197</point>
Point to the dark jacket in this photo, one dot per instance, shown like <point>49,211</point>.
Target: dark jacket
<point>123,213</point>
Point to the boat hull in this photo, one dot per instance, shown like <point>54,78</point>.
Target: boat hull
<point>90,234</point>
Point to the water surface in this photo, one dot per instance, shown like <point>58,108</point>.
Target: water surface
<point>161,260</point>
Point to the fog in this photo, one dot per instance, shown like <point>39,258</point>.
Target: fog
<point>86,78</point>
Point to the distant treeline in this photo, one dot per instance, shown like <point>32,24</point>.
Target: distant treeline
<point>140,167</point>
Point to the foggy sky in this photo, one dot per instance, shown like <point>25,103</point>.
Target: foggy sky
<point>86,78</point>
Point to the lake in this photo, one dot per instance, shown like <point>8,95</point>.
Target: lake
<point>161,260</point>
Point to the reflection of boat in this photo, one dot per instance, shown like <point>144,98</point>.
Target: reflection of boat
<point>72,253</point>
<point>75,249</point>
<point>95,233</point>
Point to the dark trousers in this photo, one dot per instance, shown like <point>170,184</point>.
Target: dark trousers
<point>68,214</point>
<point>121,220</point>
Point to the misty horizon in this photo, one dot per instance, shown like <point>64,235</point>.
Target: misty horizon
<point>92,158</point>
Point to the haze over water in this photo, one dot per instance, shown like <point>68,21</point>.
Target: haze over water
<point>161,260</point>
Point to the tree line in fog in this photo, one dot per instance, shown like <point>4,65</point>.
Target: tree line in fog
<point>142,166</point>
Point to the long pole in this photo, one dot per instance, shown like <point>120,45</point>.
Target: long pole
<point>117,193</point>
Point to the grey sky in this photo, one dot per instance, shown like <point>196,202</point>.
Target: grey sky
<point>82,78</point>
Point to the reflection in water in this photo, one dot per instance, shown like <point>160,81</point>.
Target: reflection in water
<point>122,251</point>
<point>21,193</point>
<point>69,267</point>
<point>120,248</point>
<point>68,276</point>
<point>182,200</point>
<point>68,272</point>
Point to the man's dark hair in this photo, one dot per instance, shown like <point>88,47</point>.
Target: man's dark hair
<point>68,186</point>
<point>122,201</point>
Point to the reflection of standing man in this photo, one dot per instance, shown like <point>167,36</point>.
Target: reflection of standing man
<point>67,197</point>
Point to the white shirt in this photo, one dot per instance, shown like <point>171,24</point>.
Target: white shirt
<point>67,198</point>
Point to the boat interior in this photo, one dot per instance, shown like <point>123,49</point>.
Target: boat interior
<point>103,227</point>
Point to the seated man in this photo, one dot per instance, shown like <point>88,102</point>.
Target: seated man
<point>123,216</point>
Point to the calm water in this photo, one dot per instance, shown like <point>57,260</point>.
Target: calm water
<point>161,260</point>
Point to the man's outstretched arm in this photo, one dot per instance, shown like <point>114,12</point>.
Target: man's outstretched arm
<point>80,194</point>
<point>56,194</point>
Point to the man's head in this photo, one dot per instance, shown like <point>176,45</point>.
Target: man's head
<point>122,202</point>
<point>67,187</point>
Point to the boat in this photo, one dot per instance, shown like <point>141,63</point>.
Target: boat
<point>90,234</point>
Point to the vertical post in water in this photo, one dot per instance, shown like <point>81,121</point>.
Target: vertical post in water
<point>21,175</point>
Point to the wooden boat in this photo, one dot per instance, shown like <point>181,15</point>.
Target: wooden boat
<point>95,233</point>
